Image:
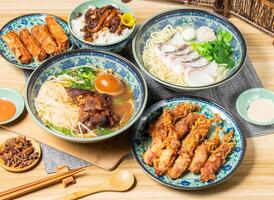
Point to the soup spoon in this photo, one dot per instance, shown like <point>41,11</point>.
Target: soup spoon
<point>119,181</point>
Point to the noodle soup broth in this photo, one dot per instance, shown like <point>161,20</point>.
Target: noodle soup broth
<point>85,102</point>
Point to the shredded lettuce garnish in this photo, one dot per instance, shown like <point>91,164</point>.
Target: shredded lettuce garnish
<point>219,50</point>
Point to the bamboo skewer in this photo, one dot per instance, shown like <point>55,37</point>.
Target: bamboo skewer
<point>33,186</point>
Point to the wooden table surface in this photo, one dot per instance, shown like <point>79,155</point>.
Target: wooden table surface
<point>254,179</point>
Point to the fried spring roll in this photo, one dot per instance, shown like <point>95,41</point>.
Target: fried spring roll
<point>203,151</point>
<point>217,158</point>
<point>57,33</point>
<point>42,35</point>
<point>197,134</point>
<point>32,45</point>
<point>17,47</point>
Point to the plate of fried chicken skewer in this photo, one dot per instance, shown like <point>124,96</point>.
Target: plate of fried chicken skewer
<point>188,143</point>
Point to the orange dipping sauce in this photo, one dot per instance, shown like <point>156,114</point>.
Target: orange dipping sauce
<point>7,110</point>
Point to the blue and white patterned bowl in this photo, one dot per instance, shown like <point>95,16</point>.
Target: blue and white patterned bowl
<point>85,57</point>
<point>114,46</point>
<point>27,21</point>
<point>140,141</point>
<point>197,18</point>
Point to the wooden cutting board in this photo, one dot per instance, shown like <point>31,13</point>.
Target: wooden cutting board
<point>106,155</point>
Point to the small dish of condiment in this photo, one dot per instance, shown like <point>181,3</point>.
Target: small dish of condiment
<point>256,106</point>
<point>11,105</point>
<point>19,154</point>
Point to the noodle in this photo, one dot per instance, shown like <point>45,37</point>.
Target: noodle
<point>54,107</point>
<point>160,69</point>
<point>156,66</point>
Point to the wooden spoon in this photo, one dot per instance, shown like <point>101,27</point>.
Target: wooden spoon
<point>119,181</point>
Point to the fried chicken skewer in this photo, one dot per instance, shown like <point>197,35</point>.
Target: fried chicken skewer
<point>172,143</point>
<point>197,134</point>
<point>167,156</point>
<point>217,158</point>
<point>181,110</point>
<point>183,126</point>
<point>160,130</point>
<point>203,151</point>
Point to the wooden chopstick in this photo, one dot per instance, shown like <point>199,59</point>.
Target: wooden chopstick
<point>39,181</point>
<point>29,187</point>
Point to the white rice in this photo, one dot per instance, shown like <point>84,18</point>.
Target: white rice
<point>77,24</point>
<point>101,37</point>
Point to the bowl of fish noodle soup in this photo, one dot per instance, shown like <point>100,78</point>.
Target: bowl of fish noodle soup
<point>86,96</point>
<point>189,49</point>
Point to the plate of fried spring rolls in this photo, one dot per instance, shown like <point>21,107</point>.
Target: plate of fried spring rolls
<point>28,40</point>
<point>188,143</point>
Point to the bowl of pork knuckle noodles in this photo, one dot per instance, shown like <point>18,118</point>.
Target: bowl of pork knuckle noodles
<point>102,25</point>
<point>86,96</point>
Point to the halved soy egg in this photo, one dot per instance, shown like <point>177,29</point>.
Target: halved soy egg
<point>109,84</point>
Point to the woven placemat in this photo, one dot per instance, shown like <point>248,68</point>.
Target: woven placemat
<point>225,94</point>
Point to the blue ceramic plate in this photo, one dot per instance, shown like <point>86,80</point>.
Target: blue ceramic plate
<point>85,57</point>
<point>140,141</point>
<point>192,17</point>
<point>27,21</point>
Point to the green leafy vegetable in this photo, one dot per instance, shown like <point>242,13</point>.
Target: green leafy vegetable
<point>63,130</point>
<point>219,50</point>
<point>102,131</point>
<point>84,77</point>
